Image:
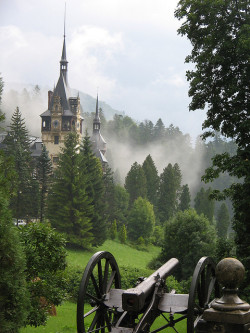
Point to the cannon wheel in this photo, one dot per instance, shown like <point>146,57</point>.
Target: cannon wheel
<point>100,275</point>
<point>203,284</point>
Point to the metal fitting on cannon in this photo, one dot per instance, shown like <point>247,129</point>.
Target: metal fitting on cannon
<point>228,314</point>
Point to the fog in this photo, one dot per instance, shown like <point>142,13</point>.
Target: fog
<point>122,155</point>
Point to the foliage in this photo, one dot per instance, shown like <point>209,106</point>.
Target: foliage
<point>120,205</point>
<point>185,198</point>
<point>152,179</point>
<point>123,234</point>
<point>141,219</point>
<point>203,204</point>
<point>223,221</point>
<point>136,183</point>
<point>108,196</point>
<point>95,191</point>
<point>225,248</point>
<point>44,174</point>
<point>113,230</point>
<point>69,205</point>
<point>72,276</point>
<point>219,33</point>
<point>188,237</point>
<point>158,235</point>
<point>25,201</point>
<point>170,185</point>
<point>14,298</point>
<point>46,260</point>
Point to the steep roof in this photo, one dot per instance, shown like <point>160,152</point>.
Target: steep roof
<point>63,91</point>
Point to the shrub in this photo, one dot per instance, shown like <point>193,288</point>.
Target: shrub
<point>14,297</point>
<point>123,234</point>
<point>46,261</point>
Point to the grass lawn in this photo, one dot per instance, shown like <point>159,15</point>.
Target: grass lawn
<point>124,255</point>
<point>65,322</point>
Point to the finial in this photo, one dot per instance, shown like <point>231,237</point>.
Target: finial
<point>230,273</point>
<point>64,35</point>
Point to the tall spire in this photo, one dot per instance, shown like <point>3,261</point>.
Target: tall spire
<point>64,62</point>
<point>96,121</point>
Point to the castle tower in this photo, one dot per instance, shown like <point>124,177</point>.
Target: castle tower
<point>98,143</point>
<point>63,114</point>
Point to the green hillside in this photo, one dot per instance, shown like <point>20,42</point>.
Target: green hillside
<point>124,255</point>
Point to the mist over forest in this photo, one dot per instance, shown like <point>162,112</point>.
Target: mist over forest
<point>128,141</point>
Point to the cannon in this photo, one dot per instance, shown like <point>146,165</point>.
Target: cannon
<point>103,306</point>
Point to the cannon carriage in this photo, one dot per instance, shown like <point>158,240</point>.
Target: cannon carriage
<point>104,307</point>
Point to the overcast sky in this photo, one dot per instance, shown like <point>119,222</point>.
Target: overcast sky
<point>127,49</point>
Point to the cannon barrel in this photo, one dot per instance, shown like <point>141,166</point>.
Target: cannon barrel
<point>134,299</point>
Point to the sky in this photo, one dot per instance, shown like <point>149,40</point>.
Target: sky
<point>127,50</point>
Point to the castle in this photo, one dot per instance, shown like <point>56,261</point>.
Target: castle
<point>64,115</point>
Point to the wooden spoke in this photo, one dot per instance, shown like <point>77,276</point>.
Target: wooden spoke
<point>111,280</point>
<point>94,285</point>
<point>91,311</point>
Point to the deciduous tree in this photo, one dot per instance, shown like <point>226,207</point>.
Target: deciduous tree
<point>219,33</point>
<point>141,219</point>
<point>188,237</point>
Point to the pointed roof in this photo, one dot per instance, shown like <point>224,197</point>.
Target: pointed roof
<point>97,117</point>
<point>64,58</point>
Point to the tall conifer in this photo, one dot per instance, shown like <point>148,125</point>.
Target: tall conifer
<point>170,185</point>
<point>136,182</point>
<point>24,204</point>
<point>152,179</point>
<point>44,174</point>
<point>95,191</point>
<point>69,206</point>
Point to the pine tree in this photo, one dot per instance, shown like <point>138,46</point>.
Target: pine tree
<point>159,130</point>
<point>136,183</point>
<point>69,206</point>
<point>95,191</point>
<point>24,204</point>
<point>185,198</point>
<point>108,196</point>
<point>1,91</point>
<point>203,204</point>
<point>169,190</point>
<point>152,179</point>
<point>14,302</point>
<point>44,174</point>
<point>119,208</point>
<point>123,234</point>
<point>223,221</point>
<point>113,230</point>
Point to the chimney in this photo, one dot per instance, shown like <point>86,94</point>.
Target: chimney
<point>50,94</point>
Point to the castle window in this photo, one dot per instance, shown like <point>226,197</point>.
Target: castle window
<point>55,160</point>
<point>56,139</point>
